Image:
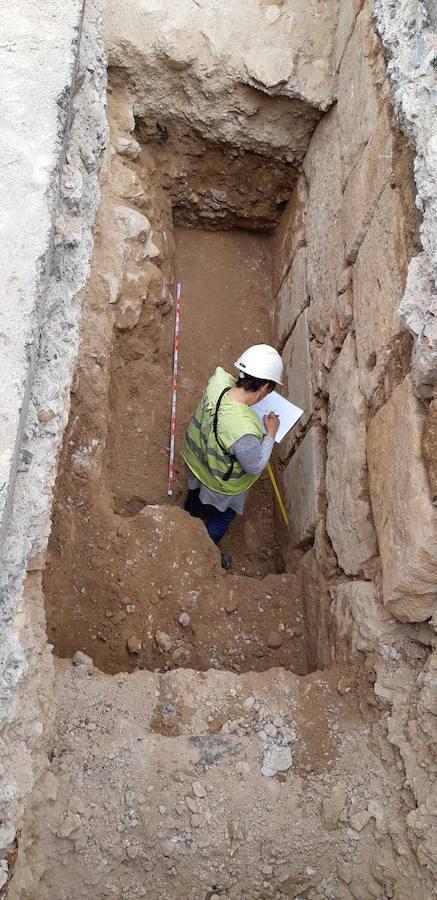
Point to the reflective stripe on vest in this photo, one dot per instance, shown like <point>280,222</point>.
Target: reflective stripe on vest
<point>200,449</point>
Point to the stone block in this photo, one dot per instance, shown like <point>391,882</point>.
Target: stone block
<point>292,297</point>
<point>297,368</point>
<point>290,233</point>
<point>405,518</point>
<point>325,256</point>
<point>304,487</point>
<point>379,278</point>
<point>366,183</point>
<point>359,621</point>
<point>347,15</point>
<point>359,101</point>
<point>418,311</point>
<point>349,516</point>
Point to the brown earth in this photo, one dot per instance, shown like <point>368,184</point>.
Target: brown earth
<point>124,560</point>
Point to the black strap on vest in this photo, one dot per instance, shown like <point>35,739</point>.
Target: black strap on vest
<point>228,474</point>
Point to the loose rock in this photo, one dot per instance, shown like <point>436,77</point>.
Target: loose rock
<point>134,645</point>
<point>276,759</point>
<point>163,641</point>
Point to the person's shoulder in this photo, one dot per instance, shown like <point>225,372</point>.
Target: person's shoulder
<point>223,375</point>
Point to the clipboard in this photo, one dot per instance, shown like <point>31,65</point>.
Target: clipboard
<point>288,413</point>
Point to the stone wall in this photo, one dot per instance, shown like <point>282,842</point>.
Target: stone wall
<point>343,250</point>
<point>53,129</point>
<point>354,264</point>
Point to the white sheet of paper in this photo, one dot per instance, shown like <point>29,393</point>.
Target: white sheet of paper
<point>288,413</point>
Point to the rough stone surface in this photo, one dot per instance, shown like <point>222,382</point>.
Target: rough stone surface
<point>325,256</point>
<point>405,518</point>
<point>410,41</point>
<point>379,274</point>
<point>289,236</point>
<point>292,298</point>
<point>26,227</point>
<point>51,152</point>
<point>359,90</point>
<point>304,481</point>
<point>349,517</point>
<point>360,623</point>
<point>366,183</point>
<point>347,14</point>
<point>297,368</point>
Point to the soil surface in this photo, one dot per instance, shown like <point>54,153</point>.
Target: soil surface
<point>125,562</point>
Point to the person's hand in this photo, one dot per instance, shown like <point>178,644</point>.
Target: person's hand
<point>271,423</point>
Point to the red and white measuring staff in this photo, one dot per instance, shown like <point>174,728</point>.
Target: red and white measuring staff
<point>174,391</point>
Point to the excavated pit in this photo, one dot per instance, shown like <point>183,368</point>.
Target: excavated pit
<point>255,158</point>
<point>124,561</point>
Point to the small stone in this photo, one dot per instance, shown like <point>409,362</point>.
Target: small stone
<point>69,826</point>
<point>270,730</point>
<point>360,819</point>
<point>163,641</point>
<point>332,806</point>
<point>249,703</point>
<point>192,805</point>
<point>132,852</point>
<point>168,848</point>
<point>184,619</point>
<point>129,798</point>
<point>274,640</point>
<point>128,147</point>
<point>267,870</point>
<point>196,821</point>
<point>134,645</point>
<point>119,617</point>
<point>45,415</point>
<point>81,659</point>
<point>230,605</point>
<point>198,790</point>
<point>276,759</point>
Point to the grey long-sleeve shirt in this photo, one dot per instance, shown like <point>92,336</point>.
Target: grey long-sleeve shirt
<point>253,455</point>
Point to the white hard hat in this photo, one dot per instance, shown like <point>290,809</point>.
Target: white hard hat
<point>261,361</point>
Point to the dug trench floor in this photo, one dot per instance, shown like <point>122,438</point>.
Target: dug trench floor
<point>124,561</point>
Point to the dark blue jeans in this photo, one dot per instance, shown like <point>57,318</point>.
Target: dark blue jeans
<point>217,523</point>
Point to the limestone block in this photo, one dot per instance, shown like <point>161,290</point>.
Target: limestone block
<point>290,233</point>
<point>292,297</point>
<point>325,256</point>
<point>359,621</point>
<point>405,518</point>
<point>366,183</point>
<point>133,224</point>
<point>349,517</point>
<point>304,483</point>
<point>378,288</point>
<point>361,69</point>
<point>347,15</point>
<point>418,310</point>
<point>297,367</point>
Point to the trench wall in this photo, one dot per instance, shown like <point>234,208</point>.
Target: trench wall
<point>53,131</point>
<point>351,250</point>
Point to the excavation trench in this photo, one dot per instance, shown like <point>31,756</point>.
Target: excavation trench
<point>125,562</point>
